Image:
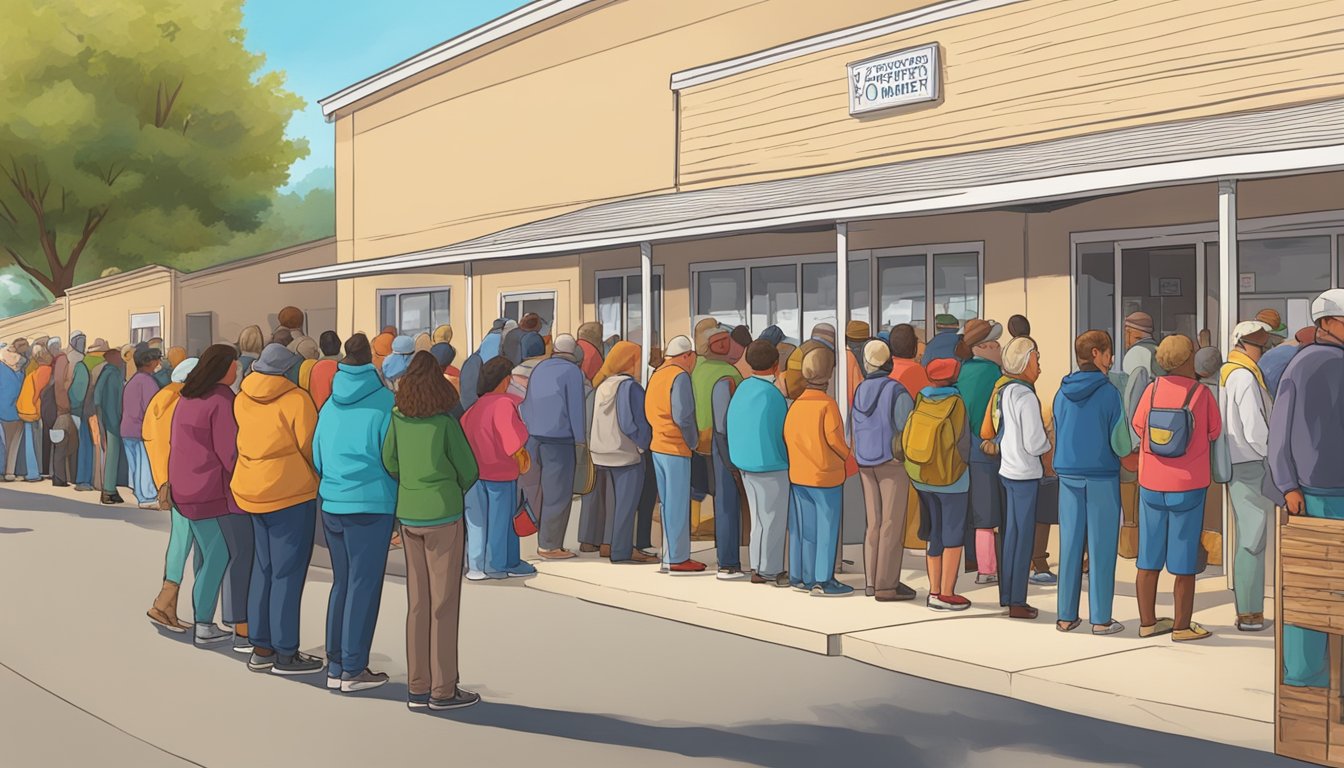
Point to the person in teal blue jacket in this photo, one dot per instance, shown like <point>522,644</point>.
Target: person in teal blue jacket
<point>756,447</point>
<point>359,500</point>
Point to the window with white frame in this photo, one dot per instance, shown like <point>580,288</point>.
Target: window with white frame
<point>619,303</point>
<point>413,311</point>
<point>916,284</point>
<point>513,306</point>
<point>146,326</point>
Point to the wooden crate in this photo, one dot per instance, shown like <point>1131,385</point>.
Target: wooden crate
<point>1309,722</point>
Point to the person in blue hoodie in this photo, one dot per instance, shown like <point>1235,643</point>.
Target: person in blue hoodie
<point>1092,434</point>
<point>11,381</point>
<point>359,500</point>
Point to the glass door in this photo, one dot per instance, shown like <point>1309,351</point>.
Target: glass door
<point>1164,281</point>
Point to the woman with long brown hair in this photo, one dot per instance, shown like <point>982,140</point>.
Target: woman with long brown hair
<point>428,454</point>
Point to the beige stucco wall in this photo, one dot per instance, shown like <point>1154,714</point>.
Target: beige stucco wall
<point>1021,73</point>
<point>103,308</point>
<point>247,293</point>
<point>363,299</point>
<point>43,321</point>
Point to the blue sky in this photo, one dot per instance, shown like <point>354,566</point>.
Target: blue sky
<point>323,47</point>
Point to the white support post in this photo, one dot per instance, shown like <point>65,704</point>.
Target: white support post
<point>1228,301</point>
<point>645,309</point>
<point>470,308</point>
<point>841,318</point>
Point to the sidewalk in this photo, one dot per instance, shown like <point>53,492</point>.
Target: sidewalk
<point>1220,689</point>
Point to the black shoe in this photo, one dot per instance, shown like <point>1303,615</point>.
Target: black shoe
<point>298,664</point>
<point>461,700</point>
<point>59,484</point>
<point>111,498</point>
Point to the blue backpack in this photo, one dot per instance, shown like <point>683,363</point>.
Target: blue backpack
<point>1170,429</point>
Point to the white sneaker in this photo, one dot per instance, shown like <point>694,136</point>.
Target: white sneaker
<point>476,576</point>
<point>333,683</point>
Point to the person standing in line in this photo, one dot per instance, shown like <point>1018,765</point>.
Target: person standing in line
<point>1093,435</point>
<point>755,423</point>
<point>814,435</point>
<point>946,338</point>
<point>35,380</point>
<point>428,454</point>
<point>250,343</point>
<point>70,382</point>
<point>202,451</point>
<point>1275,360</point>
<point>171,358</point>
<point>359,501</point>
<point>1244,405</point>
<point>81,397</point>
<point>157,434</point>
<point>976,383</point>
<point>11,384</point>
<point>275,482</point>
<point>1139,367</point>
<point>1306,440</point>
<point>937,443</point>
<point>1018,326</point>
<point>324,370</point>
<point>498,439</point>
<point>737,351</point>
<point>590,342</point>
<point>96,361</point>
<point>554,412</point>
<point>881,408</point>
<point>713,382</point>
<point>1022,443</point>
<point>857,335</point>
<point>905,368</point>
<point>670,410</point>
<point>309,353</point>
<point>292,319</point>
<point>63,458</point>
<point>135,398</point>
<point>620,438</point>
<point>46,404</point>
<point>1177,422</point>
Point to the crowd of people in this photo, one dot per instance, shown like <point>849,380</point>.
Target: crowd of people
<point>249,447</point>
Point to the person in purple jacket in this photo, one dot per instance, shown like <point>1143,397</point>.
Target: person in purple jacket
<point>134,403</point>
<point>204,450</point>
<point>1306,440</point>
<point>556,416</point>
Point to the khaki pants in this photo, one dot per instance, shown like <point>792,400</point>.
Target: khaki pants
<point>434,597</point>
<point>886,489</point>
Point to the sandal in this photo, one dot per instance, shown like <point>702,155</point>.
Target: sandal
<point>1112,628</point>
<point>1195,632</point>
<point>1068,626</point>
<point>1162,627</point>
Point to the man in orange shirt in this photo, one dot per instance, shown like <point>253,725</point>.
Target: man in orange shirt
<point>815,438</point>
<point>905,366</point>
<point>670,408</point>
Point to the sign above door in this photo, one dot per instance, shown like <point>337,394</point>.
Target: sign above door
<point>895,79</point>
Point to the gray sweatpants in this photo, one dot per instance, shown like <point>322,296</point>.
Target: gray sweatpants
<point>1251,513</point>
<point>768,502</point>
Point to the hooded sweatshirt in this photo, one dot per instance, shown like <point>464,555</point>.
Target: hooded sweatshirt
<point>348,444</point>
<point>620,433</point>
<point>11,381</point>
<point>434,467</point>
<point>276,422</point>
<point>756,417</point>
<point>157,430</point>
<point>495,433</point>
<point>881,407</point>
<point>1306,429</point>
<point>1091,431</point>
<point>34,382</point>
<point>592,359</point>
<point>204,453</point>
<point>554,408</point>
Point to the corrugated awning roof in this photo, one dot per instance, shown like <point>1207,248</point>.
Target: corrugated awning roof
<point>1298,139</point>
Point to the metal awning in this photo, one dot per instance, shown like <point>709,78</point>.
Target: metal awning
<point>1300,139</point>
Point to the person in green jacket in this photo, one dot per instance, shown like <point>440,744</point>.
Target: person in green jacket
<point>107,405</point>
<point>976,384</point>
<point>428,454</point>
<point>713,382</point>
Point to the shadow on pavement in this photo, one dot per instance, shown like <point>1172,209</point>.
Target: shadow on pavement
<point>15,530</point>
<point>150,520</point>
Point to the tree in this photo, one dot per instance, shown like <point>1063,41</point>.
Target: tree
<point>131,129</point>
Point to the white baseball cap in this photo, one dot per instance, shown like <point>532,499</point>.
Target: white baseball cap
<point>678,346</point>
<point>1328,304</point>
<point>1249,328</point>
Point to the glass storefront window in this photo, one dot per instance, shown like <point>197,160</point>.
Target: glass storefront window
<point>818,297</point>
<point>634,319</point>
<point>774,299</point>
<point>722,295</point>
<point>901,289</point>
<point>609,304</point>
<point>1096,288</point>
<point>956,285</point>
<point>1281,273</point>
<point>413,312</point>
<point>860,291</point>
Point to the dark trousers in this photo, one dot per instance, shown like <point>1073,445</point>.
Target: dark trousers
<point>556,462</point>
<point>65,458</point>
<point>358,546</point>
<point>648,498</point>
<point>1019,535</point>
<point>594,510</point>
<point>114,459</point>
<point>284,546</point>
<point>84,463</point>
<point>727,509</point>
<point>623,487</point>
<point>240,540</point>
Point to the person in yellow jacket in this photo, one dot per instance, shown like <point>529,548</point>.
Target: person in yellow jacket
<point>156,432</point>
<point>30,410</point>
<point>275,482</point>
<point>669,406</point>
<point>815,438</point>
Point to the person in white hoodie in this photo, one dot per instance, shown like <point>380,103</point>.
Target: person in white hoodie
<point>1022,443</point>
<point>1244,402</point>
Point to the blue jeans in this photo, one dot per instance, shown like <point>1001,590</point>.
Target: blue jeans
<point>32,438</point>
<point>1019,537</point>
<point>1306,660</point>
<point>819,511</point>
<point>1169,528</point>
<point>624,484</point>
<point>673,474</point>
<point>727,510</point>
<point>210,567</point>
<point>358,546</point>
<point>84,464</point>
<point>283,548</point>
<point>555,461</point>
<point>492,544</point>
<point>1089,517</point>
<point>137,467</point>
<point>795,532</point>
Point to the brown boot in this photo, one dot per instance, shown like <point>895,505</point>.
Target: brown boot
<point>164,610</point>
<point>604,550</point>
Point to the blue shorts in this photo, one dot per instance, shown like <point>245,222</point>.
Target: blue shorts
<point>1170,525</point>
<point>947,520</point>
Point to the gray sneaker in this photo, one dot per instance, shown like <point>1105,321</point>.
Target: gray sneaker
<point>298,664</point>
<point>364,681</point>
<point>461,700</point>
<point>241,644</point>
<point>209,634</point>
<point>259,663</point>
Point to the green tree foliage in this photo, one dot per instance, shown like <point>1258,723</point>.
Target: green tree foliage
<point>132,131</point>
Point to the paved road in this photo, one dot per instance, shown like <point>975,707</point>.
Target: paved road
<point>84,674</point>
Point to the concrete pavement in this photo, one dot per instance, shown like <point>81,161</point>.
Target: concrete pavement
<point>565,682</point>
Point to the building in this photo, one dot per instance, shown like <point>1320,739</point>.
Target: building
<point>190,309</point>
<point>743,159</point>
